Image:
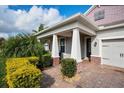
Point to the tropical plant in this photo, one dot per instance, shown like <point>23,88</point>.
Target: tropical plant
<point>23,45</point>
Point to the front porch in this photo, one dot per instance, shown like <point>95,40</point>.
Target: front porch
<point>69,39</point>
<point>69,44</point>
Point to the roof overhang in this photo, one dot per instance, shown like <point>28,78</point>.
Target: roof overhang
<point>75,18</point>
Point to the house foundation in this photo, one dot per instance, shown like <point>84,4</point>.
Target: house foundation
<point>56,61</point>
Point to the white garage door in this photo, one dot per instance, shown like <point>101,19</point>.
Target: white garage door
<point>113,52</point>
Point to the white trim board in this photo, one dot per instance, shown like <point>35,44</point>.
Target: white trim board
<point>114,37</point>
<point>110,27</point>
<point>95,56</point>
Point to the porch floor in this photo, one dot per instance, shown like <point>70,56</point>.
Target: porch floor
<point>92,76</point>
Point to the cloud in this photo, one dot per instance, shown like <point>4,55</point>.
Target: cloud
<point>16,21</point>
<point>4,35</point>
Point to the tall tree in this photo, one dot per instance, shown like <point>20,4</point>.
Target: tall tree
<point>40,28</point>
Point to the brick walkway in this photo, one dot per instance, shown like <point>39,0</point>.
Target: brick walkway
<point>92,76</point>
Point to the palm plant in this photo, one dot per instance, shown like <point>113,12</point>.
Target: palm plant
<point>23,45</point>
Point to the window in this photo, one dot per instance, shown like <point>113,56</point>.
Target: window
<point>62,45</point>
<point>99,15</point>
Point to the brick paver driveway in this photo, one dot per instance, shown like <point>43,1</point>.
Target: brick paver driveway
<point>92,76</point>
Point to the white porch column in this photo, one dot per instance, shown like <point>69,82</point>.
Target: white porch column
<point>55,50</point>
<point>76,47</point>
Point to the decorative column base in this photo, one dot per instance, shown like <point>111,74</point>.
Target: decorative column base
<point>96,60</point>
<point>56,61</point>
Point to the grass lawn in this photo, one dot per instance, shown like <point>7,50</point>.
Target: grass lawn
<point>2,73</point>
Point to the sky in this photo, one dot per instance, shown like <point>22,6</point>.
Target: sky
<point>25,18</point>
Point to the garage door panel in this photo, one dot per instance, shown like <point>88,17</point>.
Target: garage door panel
<point>111,50</point>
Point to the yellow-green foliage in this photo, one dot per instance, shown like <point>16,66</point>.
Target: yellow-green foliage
<point>33,60</point>
<point>12,64</point>
<point>21,73</point>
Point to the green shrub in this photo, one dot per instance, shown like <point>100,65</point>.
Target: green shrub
<point>2,73</point>
<point>46,60</point>
<point>33,60</point>
<point>21,73</point>
<point>69,67</point>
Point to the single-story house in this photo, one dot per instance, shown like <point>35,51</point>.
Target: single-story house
<point>97,34</point>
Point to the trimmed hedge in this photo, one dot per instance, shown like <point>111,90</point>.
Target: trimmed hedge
<point>46,60</point>
<point>68,67</point>
<point>22,74</point>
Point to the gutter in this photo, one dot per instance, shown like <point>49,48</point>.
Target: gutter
<point>110,27</point>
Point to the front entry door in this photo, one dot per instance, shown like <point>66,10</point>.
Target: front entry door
<point>61,47</point>
<point>88,45</point>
